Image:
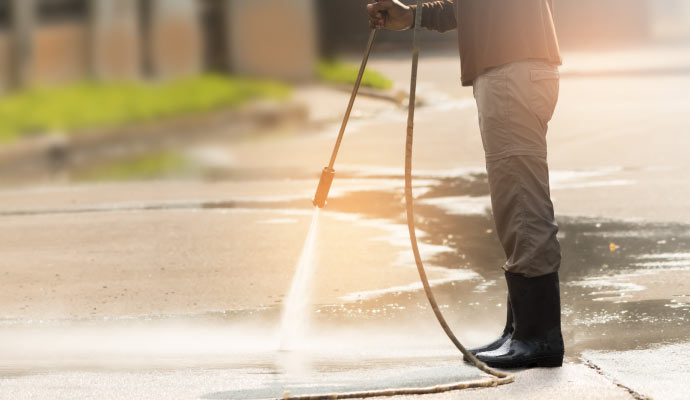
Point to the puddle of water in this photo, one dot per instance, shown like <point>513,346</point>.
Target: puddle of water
<point>478,205</point>
<point>607,264</point>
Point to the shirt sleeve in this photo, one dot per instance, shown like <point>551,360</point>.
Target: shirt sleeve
<point>438,15</point>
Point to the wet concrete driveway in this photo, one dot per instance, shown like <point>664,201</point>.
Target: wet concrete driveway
<point>174,289</point>
<point>623,290</point>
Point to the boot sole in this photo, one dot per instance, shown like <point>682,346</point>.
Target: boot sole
<point>539,362</point>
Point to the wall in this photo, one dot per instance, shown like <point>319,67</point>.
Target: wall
<point>175,38</point>
<point>59,53</point>
<point>115,44</point>
<point>4,61</point>
<point>275,38</point>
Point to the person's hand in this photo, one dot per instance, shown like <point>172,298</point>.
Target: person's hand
<point>389,14</point>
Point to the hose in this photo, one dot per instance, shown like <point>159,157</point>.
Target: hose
<point>502,377</point>
<point>495,377</point>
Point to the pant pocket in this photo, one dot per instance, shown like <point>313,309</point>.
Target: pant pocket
<point>491,94</point>
<point>544,92</point>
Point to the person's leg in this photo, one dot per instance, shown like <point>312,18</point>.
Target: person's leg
<point>515,104</point>
<point>523,214</point>
<point>525,224</point>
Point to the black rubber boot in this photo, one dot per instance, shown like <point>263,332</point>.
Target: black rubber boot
<point>537,340</point>
<point>505,335</point>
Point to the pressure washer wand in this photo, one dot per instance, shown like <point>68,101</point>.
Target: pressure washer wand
<point>328,172</point>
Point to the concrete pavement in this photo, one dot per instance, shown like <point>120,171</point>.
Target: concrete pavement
<point>173,289</point>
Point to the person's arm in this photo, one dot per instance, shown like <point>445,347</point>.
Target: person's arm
<point>438,15</point>
<point>392,14</point>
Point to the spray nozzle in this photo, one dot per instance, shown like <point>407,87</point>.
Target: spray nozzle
<point>324,187</point>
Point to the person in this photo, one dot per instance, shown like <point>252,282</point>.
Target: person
<point>509,54</point>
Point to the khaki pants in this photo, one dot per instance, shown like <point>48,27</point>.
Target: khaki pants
<point>515,103</point>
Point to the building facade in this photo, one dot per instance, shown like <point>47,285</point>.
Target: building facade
<point>45,42</point>
<point>60,41</point>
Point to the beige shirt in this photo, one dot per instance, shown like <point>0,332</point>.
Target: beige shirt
<point>496,32</point>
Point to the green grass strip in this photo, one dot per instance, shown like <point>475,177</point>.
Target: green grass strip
<point>74,108</point>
